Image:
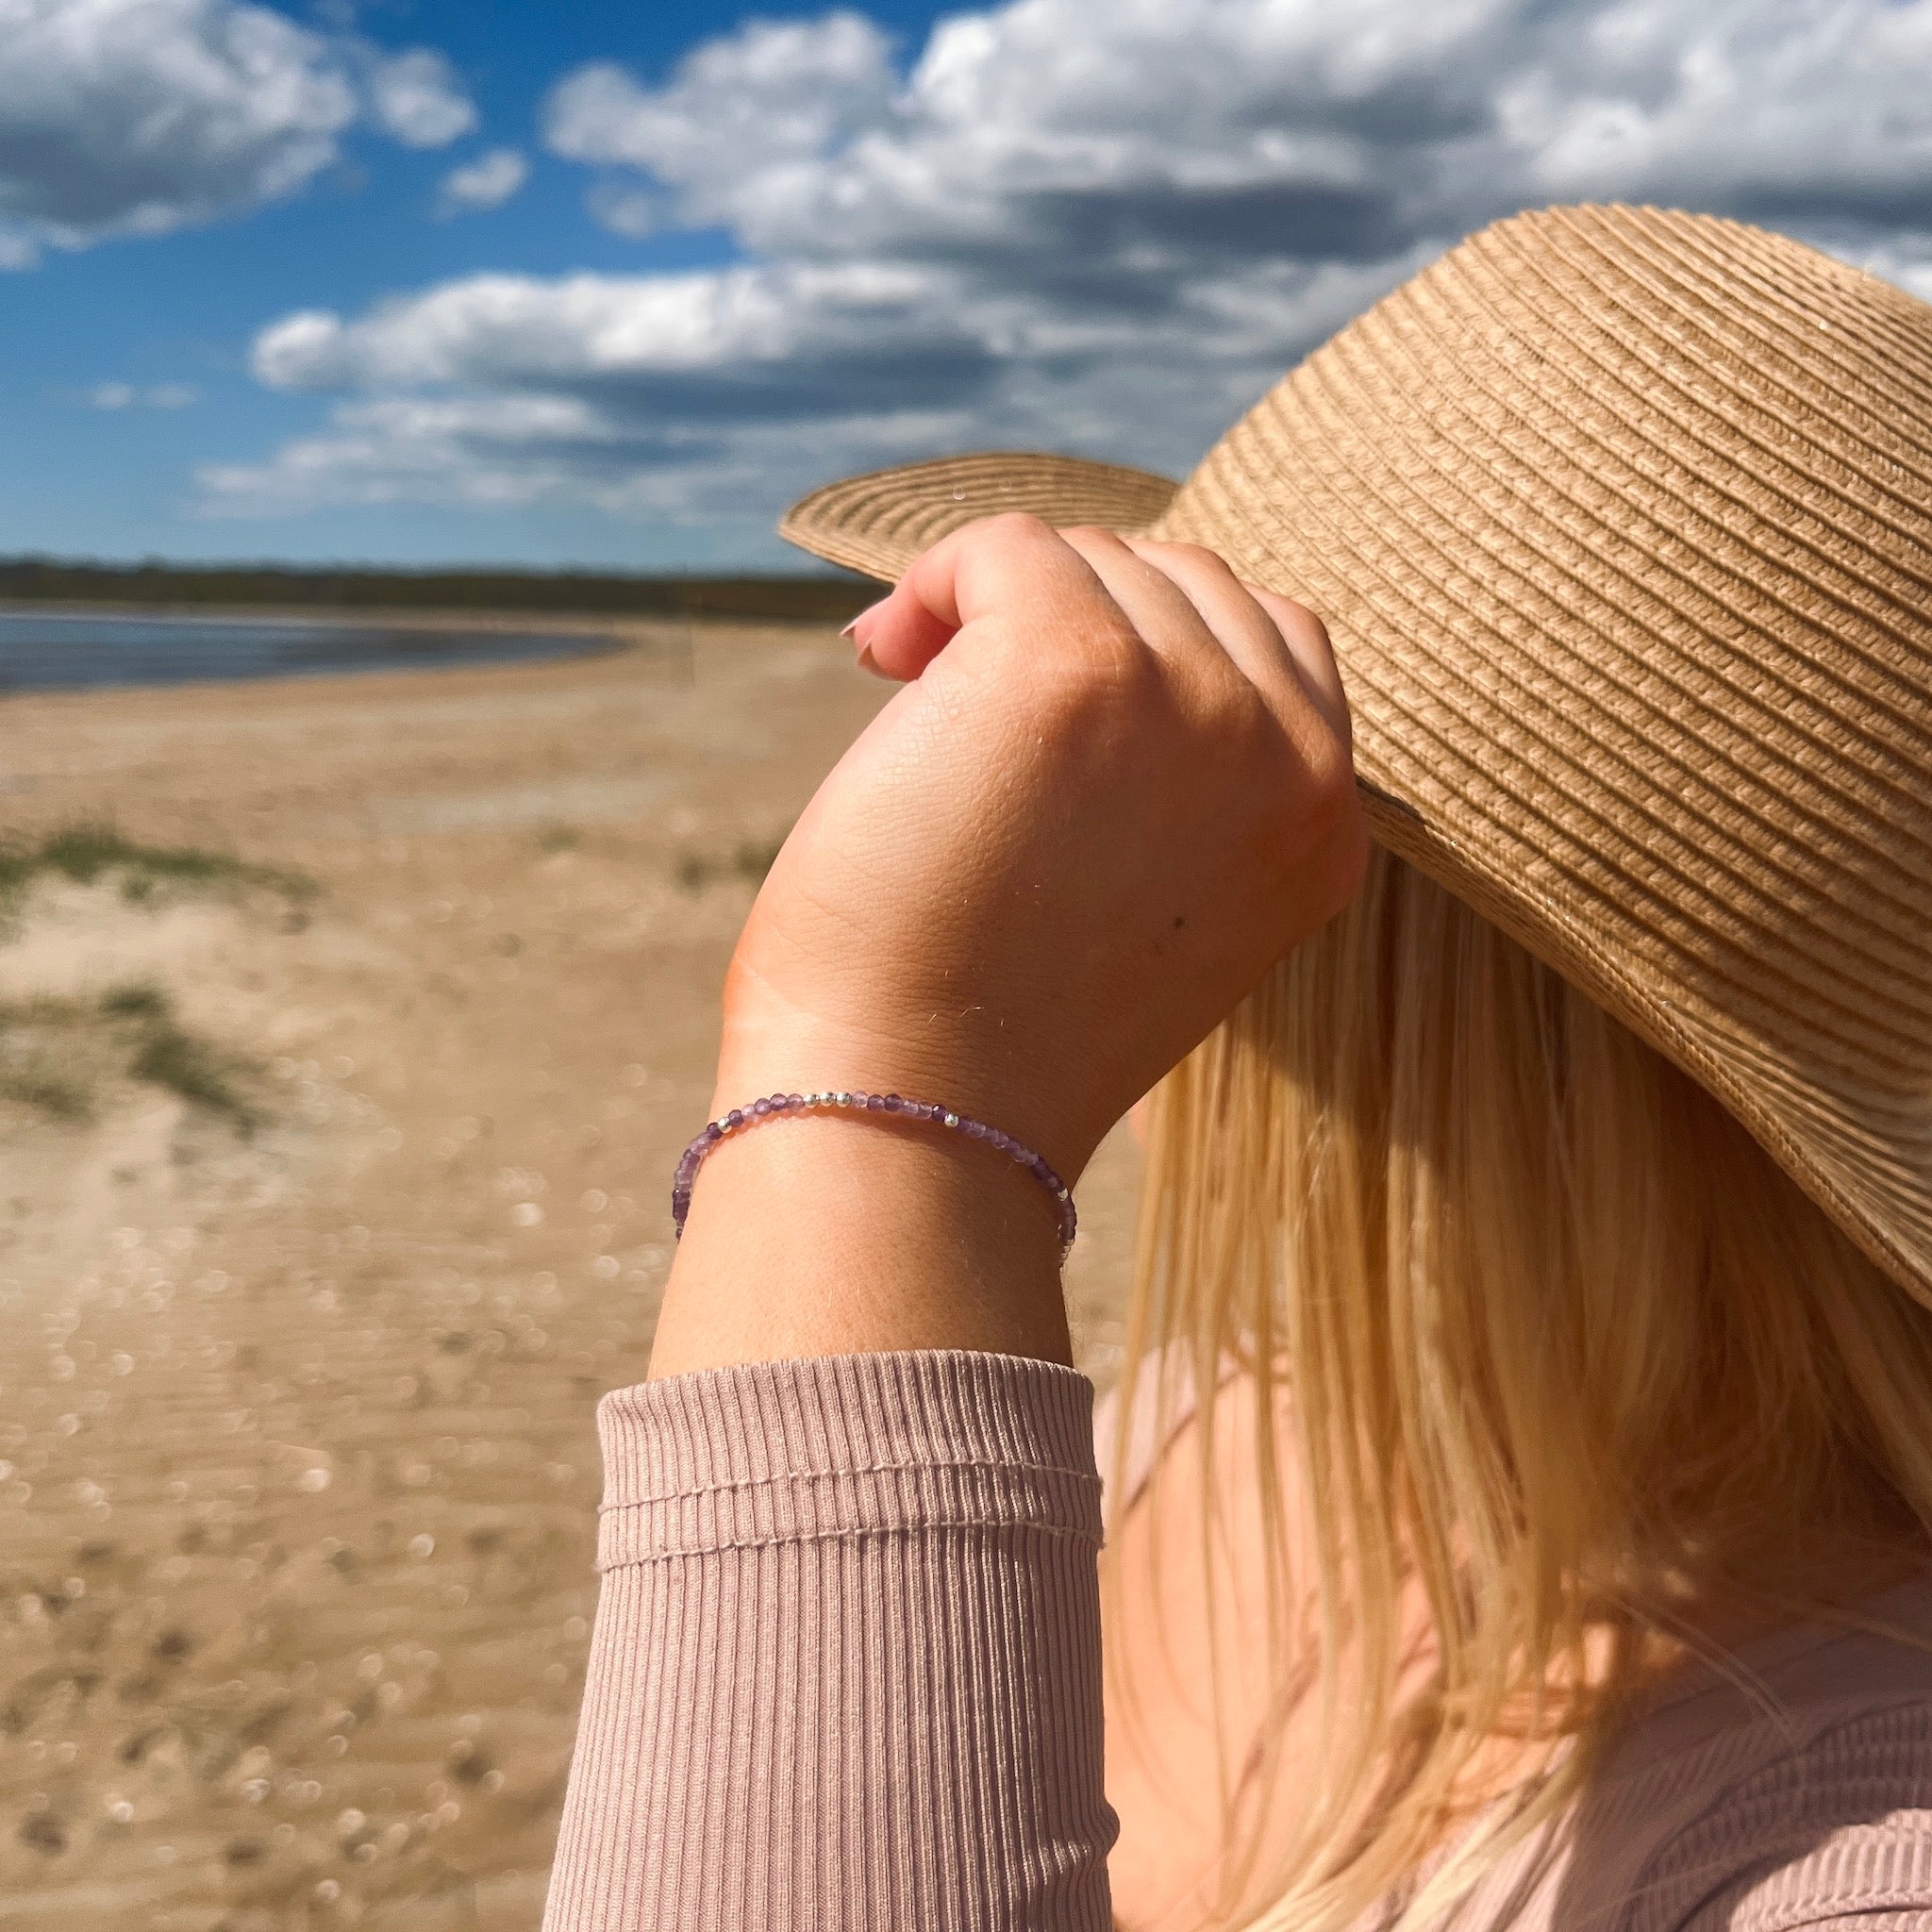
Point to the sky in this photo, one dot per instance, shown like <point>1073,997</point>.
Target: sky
<point>446,281</point>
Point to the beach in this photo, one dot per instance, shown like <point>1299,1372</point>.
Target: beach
<point>333,1193</point>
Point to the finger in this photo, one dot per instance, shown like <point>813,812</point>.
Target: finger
<point>1247,631</point>
<point>1161,611</point>
<point>1306,635</point>
<point>1007,562</point>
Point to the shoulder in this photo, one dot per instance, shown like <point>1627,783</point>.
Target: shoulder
<point>1786,1785</point>
<point>1833,1829</point>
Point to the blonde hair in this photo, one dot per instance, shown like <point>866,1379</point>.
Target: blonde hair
<point>1528,1323</point>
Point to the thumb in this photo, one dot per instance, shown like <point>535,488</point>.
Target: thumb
<point>898,637</point>
<point>1000,563</point>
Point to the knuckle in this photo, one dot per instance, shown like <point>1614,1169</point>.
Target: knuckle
<point>1198,555</point>
<point>1016,527</point>
<point>1330,782</point>
<point>1290,611</point>
<point>1109,678</point>
<point>1317,797</point>
<point>1078,534</point>
<point>1339,828</point>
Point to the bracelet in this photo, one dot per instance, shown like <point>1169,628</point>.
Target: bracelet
<point>773,1105</point>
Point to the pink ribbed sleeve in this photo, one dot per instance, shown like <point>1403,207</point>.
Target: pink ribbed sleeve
<point>846,1667</point>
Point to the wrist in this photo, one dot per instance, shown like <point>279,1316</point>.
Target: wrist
<point>890,1110</point>
<point>832,1233</point>
<point>768,1048</point>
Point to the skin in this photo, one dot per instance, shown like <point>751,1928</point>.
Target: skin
<point>1115,790</point>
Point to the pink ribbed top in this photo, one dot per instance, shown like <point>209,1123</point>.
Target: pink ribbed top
<point>846,1677</point>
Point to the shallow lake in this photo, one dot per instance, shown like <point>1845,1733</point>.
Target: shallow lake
<point>73,650</point>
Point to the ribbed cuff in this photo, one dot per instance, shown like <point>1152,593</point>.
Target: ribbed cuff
<point>845,1445</point>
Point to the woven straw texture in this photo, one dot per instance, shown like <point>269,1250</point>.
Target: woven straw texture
<point>1621,522</point>
<point>880,523</point>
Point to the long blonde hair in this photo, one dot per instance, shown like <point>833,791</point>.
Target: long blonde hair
<point>1532,1325</point>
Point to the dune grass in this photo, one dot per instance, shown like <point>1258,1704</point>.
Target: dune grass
<point>60,1056</point>
<point>750,861</point>
<point>87,853</point>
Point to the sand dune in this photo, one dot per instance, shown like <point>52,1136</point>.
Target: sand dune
<point>298,1474</point>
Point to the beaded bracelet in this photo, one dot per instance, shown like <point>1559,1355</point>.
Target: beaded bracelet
<point>897,1105</point>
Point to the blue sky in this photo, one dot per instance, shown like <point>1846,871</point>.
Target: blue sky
<point>179,310</point>
<point>248,314</point>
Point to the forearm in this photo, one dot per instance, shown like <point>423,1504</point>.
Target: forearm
<point>846,1670</point>
<point>846,1667</point>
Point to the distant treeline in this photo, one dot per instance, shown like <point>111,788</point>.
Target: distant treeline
<point>817,598</point>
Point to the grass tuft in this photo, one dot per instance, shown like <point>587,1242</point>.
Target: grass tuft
<point>751,860</point>
<point>139,1002</point>
<point>57,1055</point>
<point>87,853</point>
<point>171,1058</point>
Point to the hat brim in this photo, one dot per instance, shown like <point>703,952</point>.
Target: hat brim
<point>1602,512</point>
<point>879,522</point>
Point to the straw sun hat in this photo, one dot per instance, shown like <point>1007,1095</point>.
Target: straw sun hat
<point>1621,522</point>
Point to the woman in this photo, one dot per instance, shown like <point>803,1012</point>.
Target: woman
<point>1521,1511</point>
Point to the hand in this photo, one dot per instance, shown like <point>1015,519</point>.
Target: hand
<point>1115,790</point>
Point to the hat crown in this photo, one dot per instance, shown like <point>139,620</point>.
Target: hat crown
<point>1620,520</point>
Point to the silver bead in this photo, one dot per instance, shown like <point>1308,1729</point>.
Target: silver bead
<point>841,1100</point>
<point>951,1119</point>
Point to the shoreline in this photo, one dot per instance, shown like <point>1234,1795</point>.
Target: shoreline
<point>567,635</point>
<point>401,617</point>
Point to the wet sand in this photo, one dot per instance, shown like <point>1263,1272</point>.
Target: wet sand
<point>298,1471</point>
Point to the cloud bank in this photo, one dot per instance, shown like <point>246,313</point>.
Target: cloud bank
<point>135,117</point>
<point>1103,225</point>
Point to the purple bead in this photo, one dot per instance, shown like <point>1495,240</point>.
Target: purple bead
<point>934,1111</point>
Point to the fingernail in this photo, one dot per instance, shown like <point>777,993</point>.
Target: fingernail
<point>866,661</point>
<point>862,622</point>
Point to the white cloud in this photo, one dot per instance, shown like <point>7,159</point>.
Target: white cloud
<point>136,116</point>
<point>487,182</point>
<point>1101,224</point>
<point>741,110</point>
<point>416,98</point>
<point>759,325</point>
<point>123,117</point>
<point>126,395</point>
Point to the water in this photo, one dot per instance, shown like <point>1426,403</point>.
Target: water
<point>76,651</point>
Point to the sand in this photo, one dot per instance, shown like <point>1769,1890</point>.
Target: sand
<point>298,1471</point>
